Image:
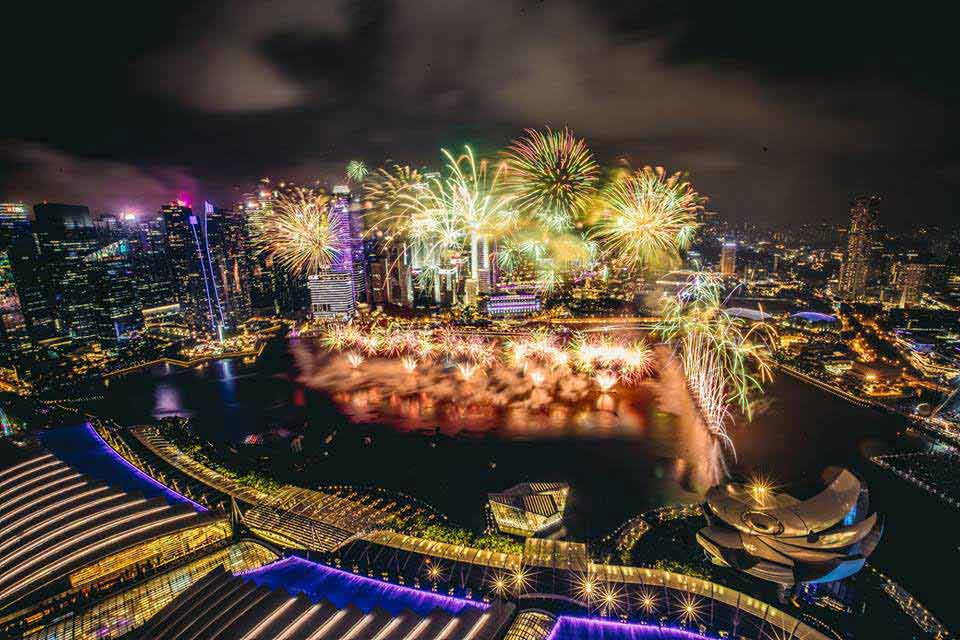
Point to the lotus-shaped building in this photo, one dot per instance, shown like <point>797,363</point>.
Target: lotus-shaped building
<point>779,538</point>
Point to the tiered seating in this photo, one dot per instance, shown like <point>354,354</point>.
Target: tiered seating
<point>222,606</point>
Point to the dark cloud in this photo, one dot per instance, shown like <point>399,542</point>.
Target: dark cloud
<point>777,116</point>
<point>44,173</point>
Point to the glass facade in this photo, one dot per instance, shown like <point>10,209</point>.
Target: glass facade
<point>127,611</point>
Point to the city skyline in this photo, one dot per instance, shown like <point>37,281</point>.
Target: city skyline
<point>508,320</point>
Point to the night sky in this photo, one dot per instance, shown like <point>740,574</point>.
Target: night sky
<point>780,112</point>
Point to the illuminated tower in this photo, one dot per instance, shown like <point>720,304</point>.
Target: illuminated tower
<point>728,258</point>
<point>858,258</point>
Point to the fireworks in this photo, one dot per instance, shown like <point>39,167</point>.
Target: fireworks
<point>605,380</point>
<point>355,359</point>
<point>357,170</point>
<point>297,231</point>
<point>607,360</point>
<point>650,216</point>
<point>552,175</point>
<point>466,370</point>
<point>718,352</point>
<point>389,193</point>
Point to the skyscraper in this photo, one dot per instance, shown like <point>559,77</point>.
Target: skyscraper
<point>19,243</point>
<point>119,313</point>
<point>348,216</point>
<point>225,249</point>
<point>332,294</point>
<point>198,256</point>
<point>910,277</point>
<point>858,258</point>
<point>184,258</point>
<point>14,339</point>
<point>66,236</point>
<point>153,269</point>
<point>728,258</point>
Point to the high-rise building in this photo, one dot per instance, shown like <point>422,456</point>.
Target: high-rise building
<point>228,264</point>
<point>119,314</point>
<point>14,339</point>
<point>66,235</point>
<point>332,294</point>
<point>153,269</point>
<point>348,216</point>
<point>858,258</point>
<point>19,242</point>
<point>183,254</point>
<point>728,258</point>
<point>206,255</point>
<point>910,278</point>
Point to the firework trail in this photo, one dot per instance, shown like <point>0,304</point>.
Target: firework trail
<point>724,360</point>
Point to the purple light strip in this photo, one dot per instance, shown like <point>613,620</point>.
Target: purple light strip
<point>389,586</point>
<point>643,630</point>
<point>136,471</point>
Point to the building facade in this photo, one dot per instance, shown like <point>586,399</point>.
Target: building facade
<point>858,258</point>
<point>66,236</point>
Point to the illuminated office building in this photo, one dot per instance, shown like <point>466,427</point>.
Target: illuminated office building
<point>728,258</point>
<point>114,286</point>
<point>206,252</point>
<point>14,339</point>
<point>858,258</point>
<point>332,294</point>
<point>910,278</point>
<point>19,242</point>
<point>66,235</point>
<point>348,216</point>
<point>154,278</point>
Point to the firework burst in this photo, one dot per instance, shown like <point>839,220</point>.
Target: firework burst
<point>724,360</point>
<point>648,217</point>
<point>297,231</point>
<point>552,174</point>
<point>357,170</point>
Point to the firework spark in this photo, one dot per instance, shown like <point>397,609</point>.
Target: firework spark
<point>605,380</point>
<point>355,359</point>
<point>297,231</point>
<point>409,363</point>
<point>648,218</point>
<point>357,170</point>
<point>552,174</point>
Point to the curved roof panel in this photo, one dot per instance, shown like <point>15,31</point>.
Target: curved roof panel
<point>55,520</point>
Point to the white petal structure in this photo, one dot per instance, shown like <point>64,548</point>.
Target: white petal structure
<point>776,537</point>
